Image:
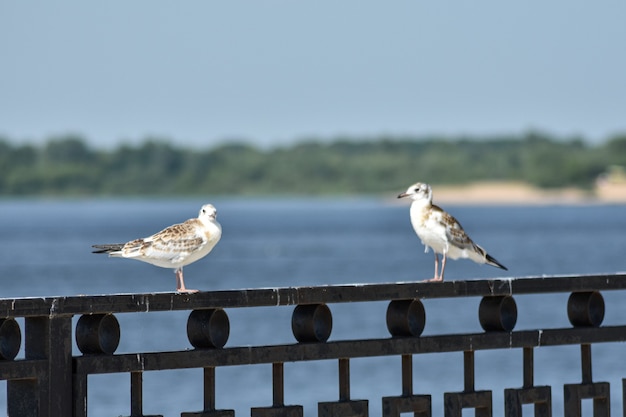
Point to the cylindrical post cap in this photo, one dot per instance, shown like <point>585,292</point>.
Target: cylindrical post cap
<point>585,309</point>
<point>406,318</point>
<point>311,323</point>
<point>97,333</point>
<point>10,339</point>
<point>208,328</point>
<point>497,313</point>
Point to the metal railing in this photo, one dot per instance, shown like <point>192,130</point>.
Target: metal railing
<point>51,381</point>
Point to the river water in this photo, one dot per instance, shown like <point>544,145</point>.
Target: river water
<point>45,250</point>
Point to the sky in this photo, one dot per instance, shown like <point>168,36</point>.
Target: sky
<point>273,72</point>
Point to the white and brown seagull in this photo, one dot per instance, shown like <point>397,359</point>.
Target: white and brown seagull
<point>174,246</point>
<point>442,232</point>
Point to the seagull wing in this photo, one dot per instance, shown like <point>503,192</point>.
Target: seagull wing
<point>457,237</point>
<point>460,244</point>
<point>454,231</point>
<point>173,244</point>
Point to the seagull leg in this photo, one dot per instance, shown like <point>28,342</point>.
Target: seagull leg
<point>443,266</point>
<point>180,282</point>
<point>438,277</point>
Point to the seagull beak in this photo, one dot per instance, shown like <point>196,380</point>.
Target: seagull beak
<point>402,195</point>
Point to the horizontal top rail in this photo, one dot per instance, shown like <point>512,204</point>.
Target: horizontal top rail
<point>263,297</point>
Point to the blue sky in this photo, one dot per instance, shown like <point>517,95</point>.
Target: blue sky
<point>271,72</point>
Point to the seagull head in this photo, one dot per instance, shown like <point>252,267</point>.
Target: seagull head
<point>418,191</point>
<point>208,212</point>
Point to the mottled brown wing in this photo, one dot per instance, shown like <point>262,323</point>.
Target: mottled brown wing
<point>174,241</point>
<point>454,232</point>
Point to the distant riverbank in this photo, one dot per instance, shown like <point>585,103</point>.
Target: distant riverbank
<point>522,193</point>
<point>68,166</point>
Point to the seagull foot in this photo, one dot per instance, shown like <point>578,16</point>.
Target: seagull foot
<point>186,291</point>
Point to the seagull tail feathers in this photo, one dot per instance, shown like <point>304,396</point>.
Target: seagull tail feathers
<point>492,261</point>
<point>108,248</point>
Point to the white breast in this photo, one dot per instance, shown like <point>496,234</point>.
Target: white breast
<point>213,231</point>
<point>427,224</point>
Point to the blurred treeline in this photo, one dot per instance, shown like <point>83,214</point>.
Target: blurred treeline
<point>70,166</point>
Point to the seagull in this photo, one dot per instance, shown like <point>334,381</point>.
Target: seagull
<point>442,232</point>
<point>174,246</point>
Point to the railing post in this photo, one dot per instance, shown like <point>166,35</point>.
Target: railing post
<point>586,310</point>
<point>585,363</point>
<point>345,406</point>
<point>540,397</point>
<point>23,397</point>
<point>80,395</point>
<point>344,379</point>
<point>407,375</point>
<point>209,388</point>
<point>480,401</point>
<point>529,367</point>
<point>50,395</point>
<point>59,351</point>
<point>209,398</point>
<point>136,393</point>
<point>278,384</point>
<point>468,371</point>
<point>419,405</point>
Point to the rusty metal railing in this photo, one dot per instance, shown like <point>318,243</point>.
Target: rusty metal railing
<point>50,381</point>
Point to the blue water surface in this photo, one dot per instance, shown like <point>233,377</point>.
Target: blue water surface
<point>45,250</point>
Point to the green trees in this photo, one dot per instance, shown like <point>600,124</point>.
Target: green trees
<point>69,166</point>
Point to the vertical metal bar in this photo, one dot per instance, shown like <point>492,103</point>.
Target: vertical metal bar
<point>37,346</point>
<point>80,395</point>
<point>585,362</point>
<point>48,338</point>
<point>209,388</point>
<point>22,397</point>
<point>407,375</point>
<point>278,384</point>
<point>344,379</point>
<point>60,366</point>
<point>136,393</point>
<point>601,407</point>
<point>529,370</point>
<point>572,406</point>
<point>468,370</point>
<point>30,397</point>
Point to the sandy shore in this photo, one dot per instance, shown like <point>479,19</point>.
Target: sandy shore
<point>520,193</point>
